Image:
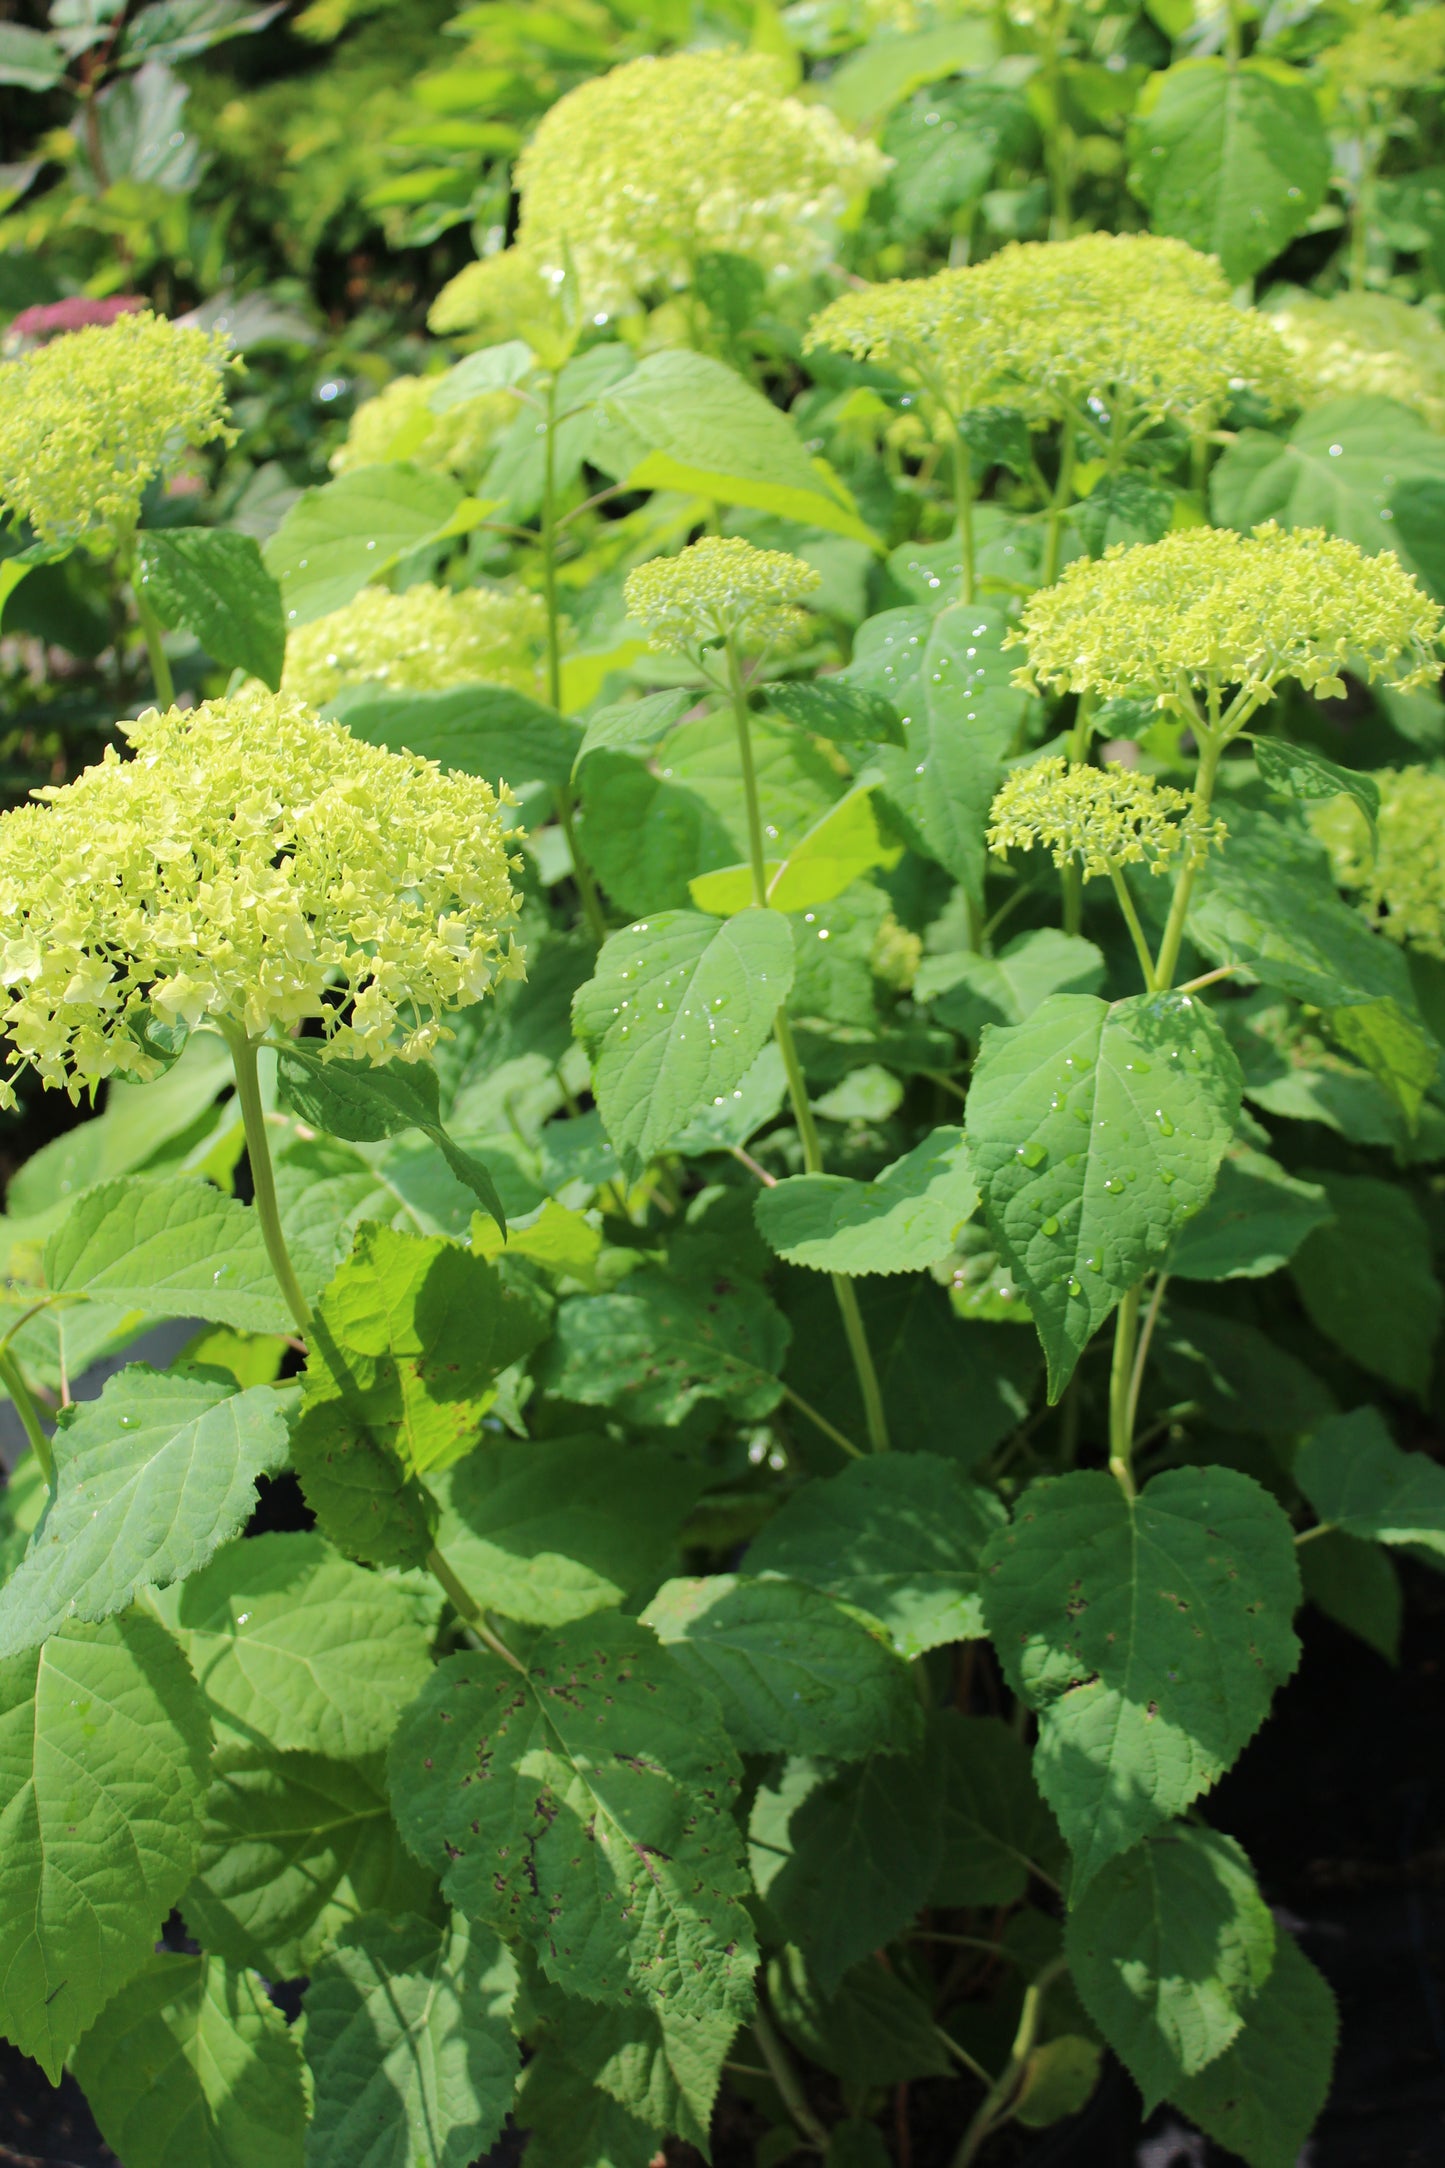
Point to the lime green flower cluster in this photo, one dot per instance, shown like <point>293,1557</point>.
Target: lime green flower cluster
<point>1137,325</point>
<point>1209,609</point>
<point>1401,876</point>
<point>1387,53</point>
<point>254,866</point>
<point>399,424</point>
<point>514,294</point>
<point>425,640</point>
<point>88,420</point>
<point>1363,345</point>
<point>639,172</point>
<point>721,588</point>
<point>1097,818</point>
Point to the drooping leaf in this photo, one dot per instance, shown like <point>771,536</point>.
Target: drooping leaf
<point>899,1536</point>
<point>1358,1480</point>
<point>1298,771</point>
<point>902,1221</point>
<point>1239,1379</point>
<point>488,730</point>
<point>553,1529</point>
<point>792,1672</point>
<point>657,1347</point>
<point>1368,1279</point>
<point>873,2031</point>
<point>411,2064</point>
<point>1355,1583</point>
<point>193,2067</point>
<point>1232,157</point>
<point>1255,1221</point>
<point>1095,1133</point>
<point>294,1848</point>
<point>293,1643</point>
<point>1261,2097</point>
<point>1148,1633</point>
<point>603,1835</point>
<point>1168,1948</point>
<point>336,538</point>
<point>171,1248</point>
<point>647,835</point>
<point>152,1477</point>
<point>103,1749</point>
<point>996,1829</point>
<point>677,1013</point>
<point>661,2068</point>
<point>967,991</point>
<point>843,1862</point>
<point>211,581</point>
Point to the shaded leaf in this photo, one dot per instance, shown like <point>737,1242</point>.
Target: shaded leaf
<point>1261,2097</point>
<point>1255,1221</point>
<point>211,582</point>
<point>1357,1479</point>
<point>657,1347</point>
<point>1368,1279</point>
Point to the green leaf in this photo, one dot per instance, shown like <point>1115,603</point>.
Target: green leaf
<point>171,1248</point>
<point>212,582</point>
<point>873,2031</point>
<point>411,2066</point>
<point>661,2068</point>
<point>1168,1947</point>
<point>409,1336</point>
<point>1149,1634</point>
<point>685,421</point>
<point>1231,157</point>
<point>194,2067</point>
<point>1261,2097</point>
<point>899,1537</point>
<point>103,1749</point>
<point>657,1347</point>
<point>491,731</point>
<point>1368,1279</point>
<point>1299,772</point>
<point>1358,1480</point>
<point>1096,1132</point>
<point>677,1013</point>
<point>336,539</point>
<point>571,2123</point>
<point>951,682</point>
<point>150,1479</point>
<point>1059,2077</point>
<point>997,1831</point>
<point>634,726</point>
<point>881,74</point>
<point>29,59</point>
<point>293,1643</point>
<point>792,1672</point>
<point>1240,1379</point>
<point>1255,1221</point>
<point>752,1103</point>
<point>362,1499</point>
<point>968,991</point>
<point>294,1848</point>
<point>604,1834</point>
<point>363,1103</point>
<point>828,707</point>
<point>491,368</point>
<point>647,835</point>
<point>1342,467</point>
<point>553,1529</point>
<point>844,1862</point>
<point>1355,1584</point>
<point>902,1221</point>
<point>841,846</point>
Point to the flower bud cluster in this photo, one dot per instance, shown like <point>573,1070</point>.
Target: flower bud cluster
<point>1401,875</point>
<point>1097,818</point>
<point>254,865</point>
<point>722,588</point>
<point>425,640</point>
<point>399,424</point>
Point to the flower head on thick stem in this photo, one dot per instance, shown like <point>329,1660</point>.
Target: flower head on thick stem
<point>252,866</point>
<point>722,589</point>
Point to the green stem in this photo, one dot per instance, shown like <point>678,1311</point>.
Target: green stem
<point>1210,753</point>
<point>821,1422</point>
<point>994,2107</point>
<point>150,626</point>
<point>1121,1376</point>
<point>562,797</point>
<point>1059,503</point>
<point>783,2075</point>
<point>1136,931</point>
<point>1071,879</point>
<point>467,1607</point>
<point>263,1179</point>
<point>14,1384</point>
<point>853,1326</point>
<point>963,502</point>
<point>1141,1358</point>
<point>1362,209</point>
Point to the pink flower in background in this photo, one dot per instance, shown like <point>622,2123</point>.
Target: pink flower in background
<point>49,318</point>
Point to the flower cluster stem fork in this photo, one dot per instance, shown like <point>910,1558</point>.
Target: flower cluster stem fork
<point>855,1331</point>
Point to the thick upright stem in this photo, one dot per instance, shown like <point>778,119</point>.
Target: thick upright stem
<point>785,2078</point>
<point>853,1327</point>
<point>13,1381</point>
<point>152,630</point>
<point>1167,963</point>
<point>562,797</point>
<point>1121,1378</point>
<point>996,2106</point>
<point>963,502</point>
<point>263,1179</point>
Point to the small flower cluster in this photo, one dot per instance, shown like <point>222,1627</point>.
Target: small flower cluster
<point>425,640</point>
<point>721,588</point>
<point>512,295</point>
<point>1099,818</point>
<point>399,424</point>
<point>1401,878</point>
<point>1390,53</point>
<point>639,172</point>
<point>254,865</point>
<point>88,420</point>
<point>1207,608</point>
<point>1128,324</point>
<point>1364,345</point>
